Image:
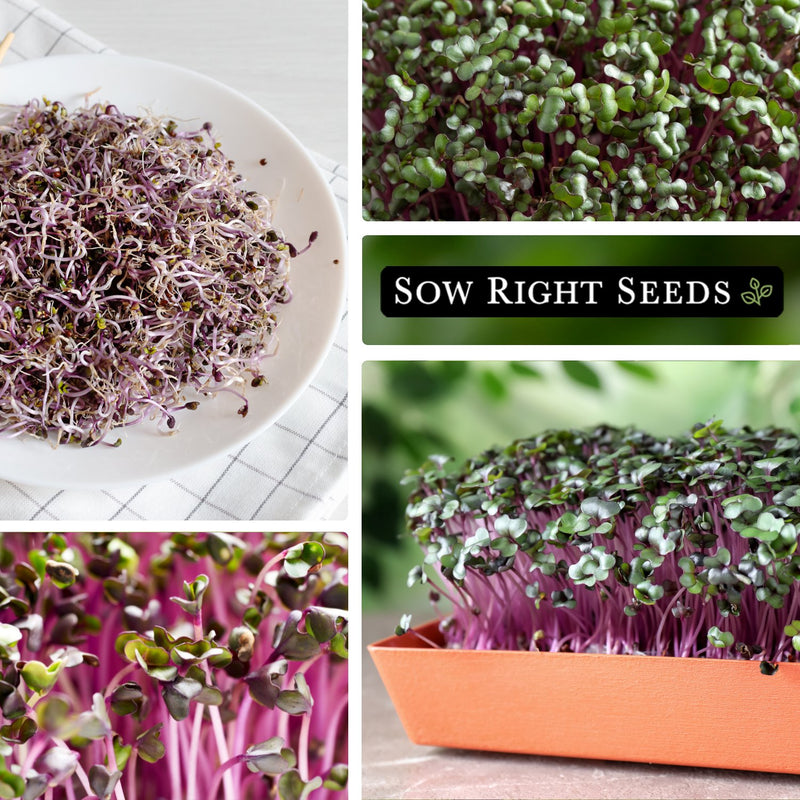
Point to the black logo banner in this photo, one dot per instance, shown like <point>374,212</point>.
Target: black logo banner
<point>464,291</point>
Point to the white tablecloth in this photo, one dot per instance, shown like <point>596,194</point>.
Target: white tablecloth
<point>295,470</point>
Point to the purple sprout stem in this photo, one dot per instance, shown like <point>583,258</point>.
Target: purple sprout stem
<point>264,572</point>
<point>221,772</point>
<point>305,726</point>
<point>302,755</point>
<point>112,766</point>
<point>174,753</point>
<point>242,726</point>
<point>332,732</point>
<point>792,615</point>
<point>667,611</point>
<point>131,770</point>
<point>216,719</point>
<point>283,723</point>
<point>194,749</point>
<point>117,679</point>
<point>34,749</point>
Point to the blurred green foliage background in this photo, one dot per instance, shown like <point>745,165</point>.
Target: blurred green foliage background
<point>574,249</point>
<point>414,409</point>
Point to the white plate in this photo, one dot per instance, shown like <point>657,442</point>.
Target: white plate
<point>304,203</point>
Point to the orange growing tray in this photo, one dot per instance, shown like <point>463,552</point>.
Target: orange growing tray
<point>687,711</point>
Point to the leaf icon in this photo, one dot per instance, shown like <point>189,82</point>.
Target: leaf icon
<point>755,284</point>
<point>750,298</point>
<point>766,290</point>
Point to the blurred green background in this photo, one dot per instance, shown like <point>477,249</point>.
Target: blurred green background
<point>574,250</point>
<point>414,409</point>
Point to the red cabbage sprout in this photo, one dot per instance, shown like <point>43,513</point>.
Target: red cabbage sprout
<point>156,666</point>
<point>133,266</point>
<point>617,541</point>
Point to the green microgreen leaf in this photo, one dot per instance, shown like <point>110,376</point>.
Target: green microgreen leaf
<point>149,745</point>
<point>291,643</point>
<point>270,757</point>
<point>663,83</point>
<point>292,787</point>
<point>40,677</point>
<point>102,781</point>
<point>194,592</point>
<point>303,558</point>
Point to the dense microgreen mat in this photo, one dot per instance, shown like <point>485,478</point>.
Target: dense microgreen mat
<point>182,666</point>
<point>134,266</point>
<point>616,541</point>
<point>572,109</point>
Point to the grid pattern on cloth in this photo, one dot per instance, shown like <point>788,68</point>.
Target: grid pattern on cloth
<point>295,470</point>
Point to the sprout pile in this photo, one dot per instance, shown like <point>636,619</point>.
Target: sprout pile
<point>616,541</point>
<point>581,109</point>
<point>173,666</point>
<point>133,266</point>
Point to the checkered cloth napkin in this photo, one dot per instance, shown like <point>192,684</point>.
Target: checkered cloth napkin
<point>295,470</point>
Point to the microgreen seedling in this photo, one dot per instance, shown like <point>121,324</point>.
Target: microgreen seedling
<point>184,666</point>
<point>136,266</point>
<point>615,541</point>
<point>581,110</point>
